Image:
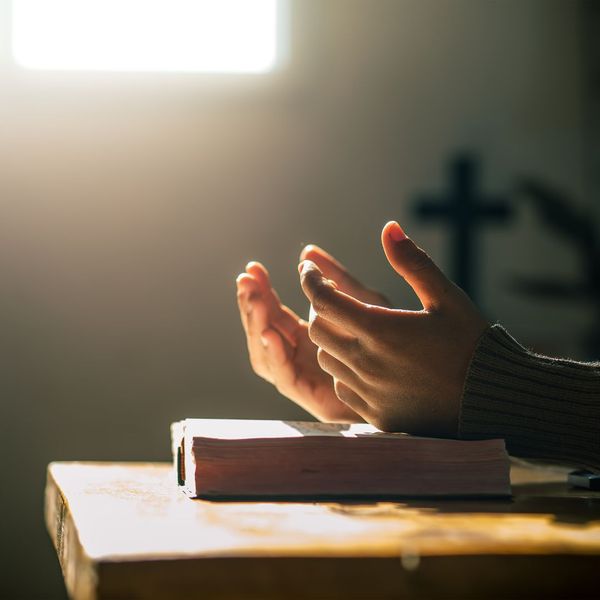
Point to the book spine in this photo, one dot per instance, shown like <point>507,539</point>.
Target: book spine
<point>178,449</point>
<point>180,465</point>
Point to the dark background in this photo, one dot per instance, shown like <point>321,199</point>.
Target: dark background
<point>130,202</point>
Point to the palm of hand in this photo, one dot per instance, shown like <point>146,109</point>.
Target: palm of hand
<point>309,386</point>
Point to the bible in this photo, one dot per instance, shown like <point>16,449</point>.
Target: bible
<point>237,458</point>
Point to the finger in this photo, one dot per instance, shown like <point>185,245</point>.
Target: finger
<point>350,398</point>
<point>278,354</point>
<point>257,323</point>
<point>247,289</point>
<point>283,318</point>
<point>331,304</point>
<point>249,295</point>
<point>333,340</point>
<point>260,273</point>
<point>333,269</point>
<point>338,370</point>
<point>412,263</point>
<point>268,350</point>
<point>287,322</point>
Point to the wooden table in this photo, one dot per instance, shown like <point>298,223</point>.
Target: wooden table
<point>123,531</point>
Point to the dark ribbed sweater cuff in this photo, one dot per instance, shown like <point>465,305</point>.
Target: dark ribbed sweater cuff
<point>545,408</point>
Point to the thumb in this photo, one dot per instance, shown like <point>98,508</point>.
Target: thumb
<point>412,263</point>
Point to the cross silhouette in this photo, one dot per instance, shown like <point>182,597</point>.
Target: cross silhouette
<point>461,207</point>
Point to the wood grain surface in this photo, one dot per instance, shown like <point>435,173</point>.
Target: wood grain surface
<point>123,530</point>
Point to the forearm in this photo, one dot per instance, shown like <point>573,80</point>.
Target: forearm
<point>544,408</point>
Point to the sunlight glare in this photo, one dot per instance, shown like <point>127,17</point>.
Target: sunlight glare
<point>218,36</point>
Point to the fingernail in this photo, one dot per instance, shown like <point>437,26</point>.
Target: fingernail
<point>308,248</point>
<point>396,232</point>
<point>265,341</point>
<point>304,265</point>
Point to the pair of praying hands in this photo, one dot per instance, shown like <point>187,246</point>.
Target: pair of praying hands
<point>359,359</point>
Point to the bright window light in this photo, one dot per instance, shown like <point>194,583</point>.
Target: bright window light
<point>218,36</point>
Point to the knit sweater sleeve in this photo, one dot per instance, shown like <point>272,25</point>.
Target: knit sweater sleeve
<point>545,408</point>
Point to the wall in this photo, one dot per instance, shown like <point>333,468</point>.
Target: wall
<point>129,204</point>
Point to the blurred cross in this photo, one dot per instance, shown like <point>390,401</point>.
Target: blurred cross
<point>463,209</point>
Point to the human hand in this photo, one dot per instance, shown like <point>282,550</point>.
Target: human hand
<point>278,344</point>
<point>400,370</point>
<point>332,269</point>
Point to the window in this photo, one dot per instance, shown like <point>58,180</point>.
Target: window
<point>214,36</point>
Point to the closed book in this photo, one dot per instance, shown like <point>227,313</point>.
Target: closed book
<point>238,458</point>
